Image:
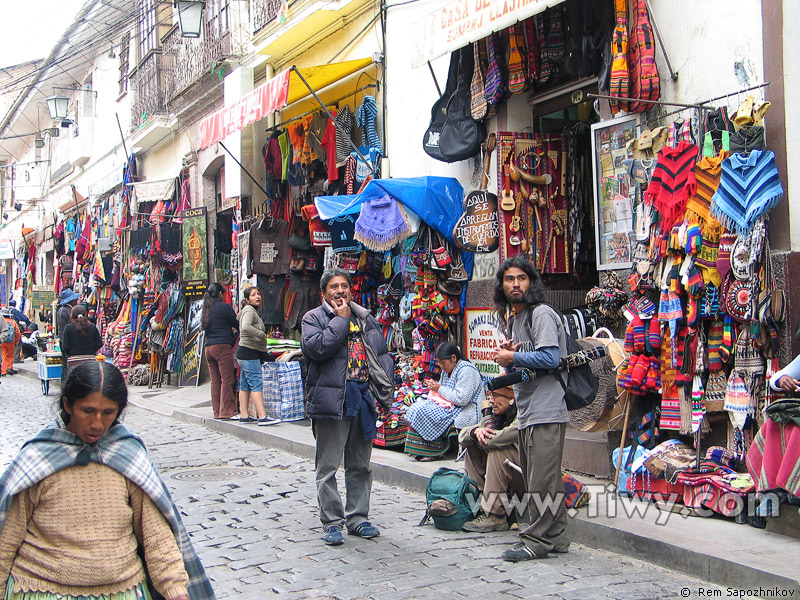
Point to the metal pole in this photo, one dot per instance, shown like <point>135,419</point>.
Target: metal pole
<point>672,74</point>
<point>330,116</point>
<point>266,193</point>
<point>657,102</point>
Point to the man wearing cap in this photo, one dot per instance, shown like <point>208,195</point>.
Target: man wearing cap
<point>21,320</point>
<point>67,300</point>
<point>349,368</point>
<point>536,341</point>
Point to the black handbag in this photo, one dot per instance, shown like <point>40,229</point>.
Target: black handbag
<point>453,134</point>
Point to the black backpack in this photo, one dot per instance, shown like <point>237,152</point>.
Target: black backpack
<point>580,389</point>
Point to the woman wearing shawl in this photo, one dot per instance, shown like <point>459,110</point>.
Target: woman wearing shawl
<point>433,421</point>
<point>82,502</point>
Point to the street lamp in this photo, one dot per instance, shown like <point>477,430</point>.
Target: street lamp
<point>190,17</point>
<point>57,105</point>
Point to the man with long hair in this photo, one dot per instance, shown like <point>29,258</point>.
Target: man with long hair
<point>536,341</point>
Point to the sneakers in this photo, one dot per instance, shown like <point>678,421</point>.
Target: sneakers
<point>365,530</point>
<point>333,535</point>
<point>486,523</point>
<point>267,421</point>
<point>248,419</point>
<point>519,552</point>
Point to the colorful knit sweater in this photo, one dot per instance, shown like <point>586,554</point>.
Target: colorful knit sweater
<point>749,187</point>
<point>673,182</point>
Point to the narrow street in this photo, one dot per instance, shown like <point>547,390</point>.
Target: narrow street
<point>251,512</point>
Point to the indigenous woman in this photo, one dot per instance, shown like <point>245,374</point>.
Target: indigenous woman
<point>434,421</point>
<point>80,340</point>
<point>83,511</point>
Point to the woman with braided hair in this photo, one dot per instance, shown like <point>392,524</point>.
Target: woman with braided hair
<point>80,340</point>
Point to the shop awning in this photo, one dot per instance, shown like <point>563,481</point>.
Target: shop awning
<point>459,23</point>
<point>153,191</point>
<point>280,91</point>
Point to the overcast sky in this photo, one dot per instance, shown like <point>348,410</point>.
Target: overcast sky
<point>30,28</point>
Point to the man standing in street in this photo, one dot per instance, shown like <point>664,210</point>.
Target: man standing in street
<point>349,368</point>
<point>22,322</point>
<point>536,341</point>
<point>67,301</point>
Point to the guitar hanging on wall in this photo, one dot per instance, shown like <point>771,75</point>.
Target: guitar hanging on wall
<point>507,195</point>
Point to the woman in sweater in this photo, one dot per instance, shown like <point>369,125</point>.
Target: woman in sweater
<point>219,322</point>
<point>82,502</point>
<point>81,339</point>
<point>252,347</point>
<point>432,423</point>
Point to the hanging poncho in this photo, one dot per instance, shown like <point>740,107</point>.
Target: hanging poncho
<point>673,183</point>
<point>749,187</point>
<point>382,224</point>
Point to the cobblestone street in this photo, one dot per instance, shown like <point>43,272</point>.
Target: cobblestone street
<point>252,514</point>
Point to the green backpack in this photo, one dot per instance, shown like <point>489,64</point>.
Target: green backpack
<point>451,497</point>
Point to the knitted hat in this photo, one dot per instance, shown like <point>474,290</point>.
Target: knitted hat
<point>714,342</point>
<point>692,312</point>
<point>652,382</point>
<point>629,338</point>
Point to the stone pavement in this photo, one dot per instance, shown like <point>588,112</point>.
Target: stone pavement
<point>252,514</point>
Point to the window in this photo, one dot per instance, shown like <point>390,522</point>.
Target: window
<point>124,62</point>
<point>217,15</point>
<point>147,27</point>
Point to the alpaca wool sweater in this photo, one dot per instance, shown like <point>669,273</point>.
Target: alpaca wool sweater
<point>77,532</point>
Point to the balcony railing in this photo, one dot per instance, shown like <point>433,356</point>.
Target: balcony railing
<point>187,60</point>
<point>264,11</point>
<point>148,91</point>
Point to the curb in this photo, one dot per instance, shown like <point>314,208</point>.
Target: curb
<point>703,565</point>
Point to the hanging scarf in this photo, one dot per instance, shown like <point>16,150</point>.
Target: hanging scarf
<point>749,187</point>
<point>366,114</point>
<point>55,448</point>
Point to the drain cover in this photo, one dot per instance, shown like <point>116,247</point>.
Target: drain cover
<point>214,474</point>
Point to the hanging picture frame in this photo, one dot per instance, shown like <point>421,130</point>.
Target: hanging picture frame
<point>614,236</point>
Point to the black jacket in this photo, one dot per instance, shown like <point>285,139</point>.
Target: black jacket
<point>324,343</point>
<point>77,344</point>
<point>221,324</point>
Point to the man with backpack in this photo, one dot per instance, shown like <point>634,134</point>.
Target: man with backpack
<point>9,338</point>
<point>537,340</point>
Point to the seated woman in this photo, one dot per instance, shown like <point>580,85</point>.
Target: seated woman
<point>431,424</point>
<point>83,511</point>
<point>489,444</point>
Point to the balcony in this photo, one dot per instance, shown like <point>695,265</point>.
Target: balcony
<point>149,100</point>
<point>187,60</point>
<point>264,11</point>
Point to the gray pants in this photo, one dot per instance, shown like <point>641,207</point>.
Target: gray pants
<point>334,440</point>
<point>540,450</point>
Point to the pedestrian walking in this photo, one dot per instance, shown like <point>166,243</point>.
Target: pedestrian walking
<point>80,340</point>
<point>83,511</point>
<point>251,352</point>
<point>349,368</point>
<point>219,321</point>
<point>23,323</point>
<point>66,302</point>
<point>536,341</point>
<point>9,339</point>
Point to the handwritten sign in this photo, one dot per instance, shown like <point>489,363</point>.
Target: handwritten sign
<point>484,332</point>
<point>42,295</point>
<point>477,230</point>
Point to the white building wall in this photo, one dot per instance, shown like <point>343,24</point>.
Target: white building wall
<point>791,82</point>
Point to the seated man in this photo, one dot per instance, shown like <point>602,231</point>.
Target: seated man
<point>489,444</point>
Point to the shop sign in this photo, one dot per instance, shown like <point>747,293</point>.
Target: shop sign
<point>461,22</point>
<point>484,333</point>
<point>6,250</point>
<point>42,295</point>
<point>195,246</point>
<point>477,229</point>
<point>485,266</point>
<point>261,102</point>
<point>226,203</point>
<point>192,347</point>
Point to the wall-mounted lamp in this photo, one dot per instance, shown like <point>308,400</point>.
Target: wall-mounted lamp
<point>18,206</point>
<point>38,142</point>
<point>190,17</point>
<point>57,106</point>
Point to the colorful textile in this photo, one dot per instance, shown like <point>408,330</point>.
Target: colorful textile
<point>748,188</point>
<point>707,174</point>
<point>382,224</point>
<point>416,445</point>
<point>672,183</point>
<point>54,448</point>
<point>774,457</point>
<point>357,367</point>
